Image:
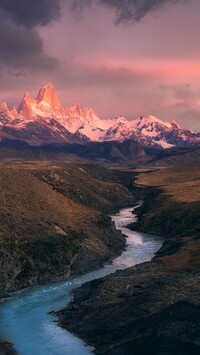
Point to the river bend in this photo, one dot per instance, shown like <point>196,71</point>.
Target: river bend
<point>24,317</point>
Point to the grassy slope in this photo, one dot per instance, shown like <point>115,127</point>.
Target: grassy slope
<point>175,213</point>
<point>176,157</point>
<point>153,308</point>
<point>53,221</point>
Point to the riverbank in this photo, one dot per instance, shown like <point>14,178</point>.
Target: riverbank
<point>153,308</point>
<point>64,230</point>
<point>26,318</point>
<point>54,221</point>
<point>6,348</point>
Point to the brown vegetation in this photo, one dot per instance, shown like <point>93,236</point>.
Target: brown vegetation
<point>152,308</point>
<point>53,221</point>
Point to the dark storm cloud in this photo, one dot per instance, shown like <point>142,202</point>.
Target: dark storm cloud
<point>128,10</point>
<point>134,10</point>
<point>21,47</point>
<point>32,13</point>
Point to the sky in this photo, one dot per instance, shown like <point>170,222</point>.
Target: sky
<point>120,57</point>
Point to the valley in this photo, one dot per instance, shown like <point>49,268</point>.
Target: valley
<point>54,221</point>
<point>55,225</point>
<point>154,305</point>
<point>63,172</point>
<point>99,177</point>
<point>26,318</point>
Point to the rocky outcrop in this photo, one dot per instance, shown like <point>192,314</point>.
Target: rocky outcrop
<point>6,348</point>
<point>142,310</point>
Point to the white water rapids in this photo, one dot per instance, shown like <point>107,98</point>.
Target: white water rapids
<point>25,320</point>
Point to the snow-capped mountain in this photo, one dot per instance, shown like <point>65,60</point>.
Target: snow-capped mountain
<point>43,120</point>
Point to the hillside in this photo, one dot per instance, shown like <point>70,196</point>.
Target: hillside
<point>154,305</point>
<point>173,157</point>
<point>53,221</point>
<point>128,152</point>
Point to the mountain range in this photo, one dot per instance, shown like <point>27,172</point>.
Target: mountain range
<point>44,121</point>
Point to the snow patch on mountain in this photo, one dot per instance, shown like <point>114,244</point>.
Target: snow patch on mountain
<point>74,123</point>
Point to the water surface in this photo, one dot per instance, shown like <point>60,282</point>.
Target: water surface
<point>25,320</point>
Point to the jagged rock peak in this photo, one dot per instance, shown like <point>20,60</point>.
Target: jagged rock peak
<point>121,119</point>
<point>27,97</point>
<point>14,111</point>
<point>3,107</point>
<point>175,125</point>
<point>48,95</point>
<point>26,100</point>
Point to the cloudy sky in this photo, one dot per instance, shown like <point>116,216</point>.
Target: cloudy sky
<point>121,57</point>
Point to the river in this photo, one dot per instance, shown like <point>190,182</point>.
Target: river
<point>25,320</point>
